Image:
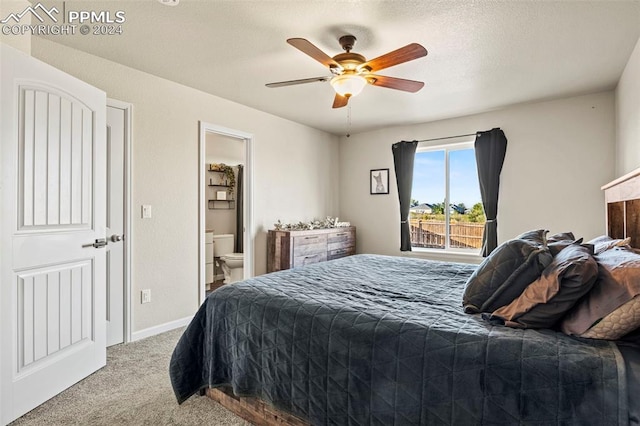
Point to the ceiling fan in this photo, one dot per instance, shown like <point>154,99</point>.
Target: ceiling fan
<point>352,71</point>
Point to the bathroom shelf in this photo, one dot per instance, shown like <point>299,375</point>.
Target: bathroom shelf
<point>218,184</point>
<point>228,204</point>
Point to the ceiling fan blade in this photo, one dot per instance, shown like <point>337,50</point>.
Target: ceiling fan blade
<point>340,101</point>
<point>294,82</point>
<point>305,46</point>
<point>395,83</point>
<point>404,54</point>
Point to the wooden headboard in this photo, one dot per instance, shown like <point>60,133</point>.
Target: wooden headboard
<point>622,197</point>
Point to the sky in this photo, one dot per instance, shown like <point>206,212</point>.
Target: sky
<point>428,177</point>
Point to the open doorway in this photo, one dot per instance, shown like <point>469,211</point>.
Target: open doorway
<point>225,194</point>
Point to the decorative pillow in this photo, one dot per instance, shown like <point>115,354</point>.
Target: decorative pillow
<point>543,303</point>
<point>605,242</point>
<point>557,242</point>
<point>561,236</point>
<point>633,336</point>
<point>504,275</point>
<point>618,282</point>
<point>537,236</point>
<point>622,321</point>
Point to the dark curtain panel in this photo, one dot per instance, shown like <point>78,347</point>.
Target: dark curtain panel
<point>239,216</point>
<point>490,147</point>
<point>403,155</point>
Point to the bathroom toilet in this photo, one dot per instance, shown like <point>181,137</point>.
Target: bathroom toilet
<point>230,262</point>
<point>233,267</point>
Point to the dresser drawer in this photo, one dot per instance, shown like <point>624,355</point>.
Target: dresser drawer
<point>208,252</point>
<point>340,240</point>
<point>341,236</point>
<point>341,252</point>
<point>309,259</point>
<point>208,273</point>
<point>305,240</point>
<point>308,249</point>
<point>309,245</point>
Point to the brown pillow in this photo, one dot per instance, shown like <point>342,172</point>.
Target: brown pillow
<point>543,303</point>
<point>618,282</point>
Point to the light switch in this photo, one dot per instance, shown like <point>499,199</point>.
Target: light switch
<point>146,211</point>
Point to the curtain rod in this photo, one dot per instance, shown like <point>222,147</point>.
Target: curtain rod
<point>448,137</point>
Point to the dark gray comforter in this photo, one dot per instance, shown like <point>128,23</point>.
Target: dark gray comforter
<point>376,340</point>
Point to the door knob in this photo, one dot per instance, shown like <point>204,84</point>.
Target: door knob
<point>115,238</point>
<point>99,243</point>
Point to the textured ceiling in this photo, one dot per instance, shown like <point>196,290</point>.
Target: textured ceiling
<point>482,54</point>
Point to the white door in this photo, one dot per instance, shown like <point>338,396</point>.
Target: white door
<point>52,292</point>
<point>116,133</point>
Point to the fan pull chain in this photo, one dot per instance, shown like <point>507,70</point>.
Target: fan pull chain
<point>348,120</point>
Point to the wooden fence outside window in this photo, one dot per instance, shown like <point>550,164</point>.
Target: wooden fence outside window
<point>431,234</point>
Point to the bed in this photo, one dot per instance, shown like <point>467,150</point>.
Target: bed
<point>372,339</point>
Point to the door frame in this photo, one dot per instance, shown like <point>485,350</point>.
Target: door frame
<point>202,202</point>
<point>128,243</point>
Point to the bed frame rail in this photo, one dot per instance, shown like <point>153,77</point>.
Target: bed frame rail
<point>252,409</point>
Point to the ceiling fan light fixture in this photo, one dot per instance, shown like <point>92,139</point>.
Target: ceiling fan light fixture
<point>352,71</point>
<point>348,84</point>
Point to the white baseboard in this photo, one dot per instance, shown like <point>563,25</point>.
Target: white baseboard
<point>157,329</point>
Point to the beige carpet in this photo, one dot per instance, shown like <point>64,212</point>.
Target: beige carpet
<point>133,389</point>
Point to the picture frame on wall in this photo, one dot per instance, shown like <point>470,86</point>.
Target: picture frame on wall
<point>379,181</point>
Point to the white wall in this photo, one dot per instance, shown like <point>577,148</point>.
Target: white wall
<point>559,154</point>
<point>295,175</point>
<point>628,116</point>
<point>22,41</point>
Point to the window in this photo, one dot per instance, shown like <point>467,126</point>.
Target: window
<point>446,207</point>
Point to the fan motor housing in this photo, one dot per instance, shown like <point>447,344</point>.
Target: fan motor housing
<point>350,60</point>
<point>347,42</point>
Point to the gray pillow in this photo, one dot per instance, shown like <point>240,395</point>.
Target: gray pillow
<point>605,242</point>
<point>618,282</point>
<point>545,301</point>
<point>561,240</point>
<point>561,236</point>
<point>505,273</point>
<point>556,247</point>
<point>537,236</point>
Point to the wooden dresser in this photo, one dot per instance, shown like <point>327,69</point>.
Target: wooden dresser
<point>290,249</point>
